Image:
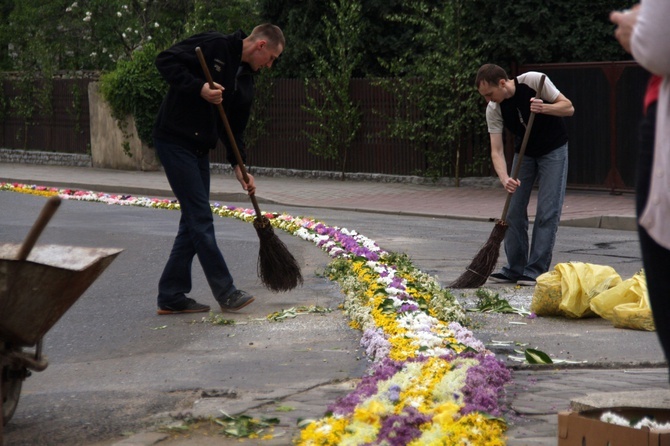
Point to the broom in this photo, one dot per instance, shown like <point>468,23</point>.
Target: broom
<point>482,265</point>
<point>277,268</point>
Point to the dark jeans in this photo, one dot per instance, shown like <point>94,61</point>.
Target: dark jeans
<point>189,176</point>
<point>655,258</point>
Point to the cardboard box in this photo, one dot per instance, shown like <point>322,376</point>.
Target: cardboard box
<point>585,428</point>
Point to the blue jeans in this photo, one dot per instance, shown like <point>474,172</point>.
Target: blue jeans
<point>551,173</point>
<point>189,176</point>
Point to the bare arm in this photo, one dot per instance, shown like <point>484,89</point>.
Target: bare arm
<point>561,107</point>
<point>250,187</point>
<point>499,163</point>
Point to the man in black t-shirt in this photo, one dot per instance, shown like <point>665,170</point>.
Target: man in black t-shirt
<point>510,103</point>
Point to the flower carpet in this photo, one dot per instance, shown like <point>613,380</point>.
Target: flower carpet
<point>429,382</point>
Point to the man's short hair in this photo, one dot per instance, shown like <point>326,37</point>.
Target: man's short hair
<point>490,73</point>
<point>272,33</point>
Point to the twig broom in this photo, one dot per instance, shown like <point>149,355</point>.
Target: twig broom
<point>482,265</point>
<point>277,268</point>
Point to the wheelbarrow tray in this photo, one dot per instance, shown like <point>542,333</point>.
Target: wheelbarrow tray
<point>36,292</point>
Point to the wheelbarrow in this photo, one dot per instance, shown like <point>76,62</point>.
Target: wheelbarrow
<point>38,284</point>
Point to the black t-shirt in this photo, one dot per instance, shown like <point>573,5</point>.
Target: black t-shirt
<point>548,132</point>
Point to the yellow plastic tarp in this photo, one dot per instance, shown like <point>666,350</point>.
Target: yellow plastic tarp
<point>569,288</point>
<point>579,290</point>
<point>626,305</point>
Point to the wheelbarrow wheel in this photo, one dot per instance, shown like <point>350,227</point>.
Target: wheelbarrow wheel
<point>12,380</point>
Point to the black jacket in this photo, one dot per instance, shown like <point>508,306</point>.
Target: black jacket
<point>185,118</point>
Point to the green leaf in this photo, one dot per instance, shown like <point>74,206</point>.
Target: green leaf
<point>537,357</point>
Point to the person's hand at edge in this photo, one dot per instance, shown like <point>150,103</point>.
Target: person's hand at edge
<point>250,187</point>
<point>625,21</point>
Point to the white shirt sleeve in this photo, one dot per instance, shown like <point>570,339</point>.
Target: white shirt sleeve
<point>532,79</point>
<point>651,36</point>
<point>494,119</point>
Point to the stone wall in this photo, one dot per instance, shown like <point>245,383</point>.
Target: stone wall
<point>112,148</point>
<point>49,158</point>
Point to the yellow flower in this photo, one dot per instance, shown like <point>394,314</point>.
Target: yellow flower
<point>326,431</point>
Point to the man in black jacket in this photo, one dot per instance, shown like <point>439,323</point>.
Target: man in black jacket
<point>187,128</point>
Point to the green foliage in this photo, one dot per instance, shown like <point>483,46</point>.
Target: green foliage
<point>135,88</point>
<point>90,34</point>
<point>256,127</point>
<point>226,16</point>
<point>438,107</point>
<point>304,29</point>
<point>552,31</point>
<point>336,119</point>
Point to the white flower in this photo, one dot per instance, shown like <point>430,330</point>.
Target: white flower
<point>156,25</point>
<point>94,54</point>
<point>385,280</point>
<point>118,14</point>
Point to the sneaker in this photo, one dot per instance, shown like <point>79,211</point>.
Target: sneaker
<point>526,281</point>
<point>236,301</point>
<point>500,278</point>
<point>187,306</point>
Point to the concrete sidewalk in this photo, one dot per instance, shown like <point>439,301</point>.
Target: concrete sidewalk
<point>595,209</point>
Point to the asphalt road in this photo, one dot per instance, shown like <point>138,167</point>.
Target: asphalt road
<point>114,362</point>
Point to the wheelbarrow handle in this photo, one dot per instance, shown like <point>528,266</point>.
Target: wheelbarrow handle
<point>48,211</point>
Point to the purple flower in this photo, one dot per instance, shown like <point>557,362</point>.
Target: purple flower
<point>366,387</point>
<point>484,385</point>
<point>408,307</point>
<point>394,393</point>
<point>399,430</point>
<point>375,343</point>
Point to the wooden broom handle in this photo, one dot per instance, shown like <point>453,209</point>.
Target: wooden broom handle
<point>48,211</point>
<point>229,132</point>
<point>524,143</point>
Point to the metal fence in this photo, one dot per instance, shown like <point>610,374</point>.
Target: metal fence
<point>603,131</point>
<point>62,125</point>
<point>285,144</point>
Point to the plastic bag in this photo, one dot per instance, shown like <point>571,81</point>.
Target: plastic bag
<point>568,290</point>
<point>581,282</point>
<point>547,295</point>
<point>626,305</point>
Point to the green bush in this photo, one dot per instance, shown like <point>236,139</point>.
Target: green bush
<point>135,88</point>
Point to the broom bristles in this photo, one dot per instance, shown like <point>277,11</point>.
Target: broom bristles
<point>277,268</point>
<point>479,270</point>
